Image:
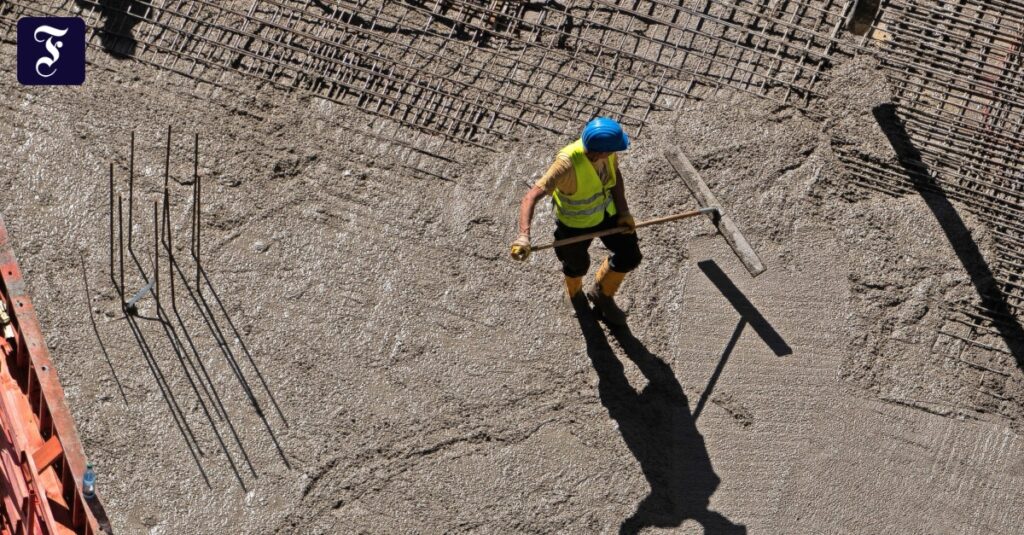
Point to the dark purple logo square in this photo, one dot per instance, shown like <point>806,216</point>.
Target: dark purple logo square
<point>51,51</point>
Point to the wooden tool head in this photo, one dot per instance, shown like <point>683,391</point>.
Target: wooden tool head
<point>722,222</point>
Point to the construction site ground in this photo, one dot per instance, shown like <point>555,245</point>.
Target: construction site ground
<point>429,384</point>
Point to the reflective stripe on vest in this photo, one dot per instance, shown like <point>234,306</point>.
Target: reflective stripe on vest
<point>588,200</point>
<point>587,211</point>
<point>586,207</point>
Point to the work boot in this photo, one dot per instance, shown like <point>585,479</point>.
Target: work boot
<point>574,298</point>
<point>602,294</point>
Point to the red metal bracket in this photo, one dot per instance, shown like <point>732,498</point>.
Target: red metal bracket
<point>40,452</point>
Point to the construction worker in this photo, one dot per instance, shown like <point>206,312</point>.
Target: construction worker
<point>589,195</point>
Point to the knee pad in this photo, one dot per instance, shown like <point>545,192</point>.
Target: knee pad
<point>575,271</point>
<point>624,263</point>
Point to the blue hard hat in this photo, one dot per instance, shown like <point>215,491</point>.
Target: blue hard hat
<point>604,135</point>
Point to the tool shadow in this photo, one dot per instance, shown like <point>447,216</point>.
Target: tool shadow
<point>749,315</point>
<point>993,300</point>
<point>659,430</point>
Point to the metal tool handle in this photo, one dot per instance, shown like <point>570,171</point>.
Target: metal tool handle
<point>710,211</point>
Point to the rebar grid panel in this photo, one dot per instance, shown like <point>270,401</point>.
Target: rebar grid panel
<point>558,65</point>
<point>957,73</point>
<point>968,343</point>
<point>159,33</point>
<point>472,71</point>
<point>773,49</point>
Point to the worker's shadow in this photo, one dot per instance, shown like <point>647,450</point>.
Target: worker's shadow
<point>658,427</point>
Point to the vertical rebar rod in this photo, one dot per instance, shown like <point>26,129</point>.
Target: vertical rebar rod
<point>195,184</point>
<point>167,158</point>
<point>120,247</point>
<point>195,157</point>
<point>199,212</point>
<point>156,254</point>
<point>169,244</point>
<point>110,205</point>
<point>131,187</point>
<point>192,222</point>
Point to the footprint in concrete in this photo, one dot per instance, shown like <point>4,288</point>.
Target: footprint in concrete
<point>737,410</point>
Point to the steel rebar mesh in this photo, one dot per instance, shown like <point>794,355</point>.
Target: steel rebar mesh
<point>958,81</point>
<point>214,45</point>
<point>956,70</point>
<point>474,71</point>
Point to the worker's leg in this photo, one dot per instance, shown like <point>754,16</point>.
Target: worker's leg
<point>625,249</point>
<point>574,257</point>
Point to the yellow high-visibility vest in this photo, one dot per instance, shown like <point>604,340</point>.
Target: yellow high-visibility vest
<point>586,207</point>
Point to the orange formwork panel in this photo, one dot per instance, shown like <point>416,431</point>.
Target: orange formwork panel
<point>41,457</point>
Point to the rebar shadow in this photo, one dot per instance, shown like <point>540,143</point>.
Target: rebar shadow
<point>117,279</point>
<point>659,430</point>
<point>171,320</point>
<point>151,280</point>
<point>213,326</point>
<point>96,331</point>
<point>920,176</point>
<point>187,366</point>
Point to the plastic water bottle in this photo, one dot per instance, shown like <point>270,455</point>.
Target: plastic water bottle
<point>89,481</point>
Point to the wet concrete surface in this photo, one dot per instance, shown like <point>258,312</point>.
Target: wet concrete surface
<point>427,384</point>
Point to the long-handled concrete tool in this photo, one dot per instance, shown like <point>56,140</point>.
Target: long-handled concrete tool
<point>711,208</point>
<point>711,211</point>
<point>723,223</point>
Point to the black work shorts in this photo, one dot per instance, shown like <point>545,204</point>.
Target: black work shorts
<point>575,258</point>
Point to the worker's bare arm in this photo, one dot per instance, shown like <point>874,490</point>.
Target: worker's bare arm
<point>619,193</point>
<point>526,208</point>
<point>520,248</point>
